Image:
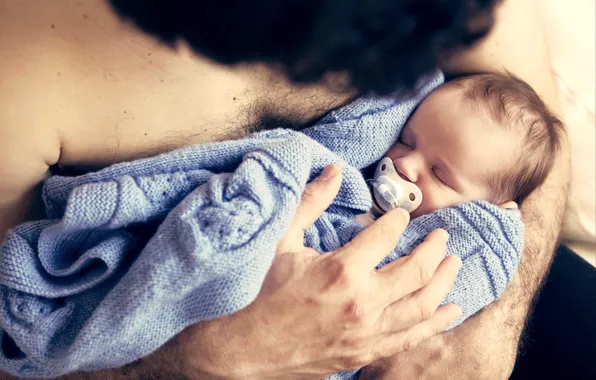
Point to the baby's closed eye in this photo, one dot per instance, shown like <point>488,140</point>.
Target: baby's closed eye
<point>439,176</point>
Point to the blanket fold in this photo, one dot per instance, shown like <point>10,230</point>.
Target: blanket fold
<point>131,255</point>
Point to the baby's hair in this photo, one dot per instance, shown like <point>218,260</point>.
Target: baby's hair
<point>513,103</point>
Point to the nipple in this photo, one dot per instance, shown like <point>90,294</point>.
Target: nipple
<point>391,191</point>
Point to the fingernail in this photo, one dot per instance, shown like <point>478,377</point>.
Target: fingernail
<point>459,263</point>
<point>457,313</point>
<point>444,234</point>
<point>404,213</point>
<point>329,172</point>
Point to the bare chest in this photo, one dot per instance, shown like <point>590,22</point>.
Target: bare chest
<point>108,93</point>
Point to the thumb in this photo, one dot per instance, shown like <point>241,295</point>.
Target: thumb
<point>317,196</point>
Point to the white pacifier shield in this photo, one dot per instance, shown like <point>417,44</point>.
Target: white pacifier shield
<point>392,191</point>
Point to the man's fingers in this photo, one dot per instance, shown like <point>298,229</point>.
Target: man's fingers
<point>422,304</point>
<point>408,339</point>
<point>410,273</point>
<point>374,243</point>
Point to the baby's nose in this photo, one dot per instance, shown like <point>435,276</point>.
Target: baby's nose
<point>407,168</point>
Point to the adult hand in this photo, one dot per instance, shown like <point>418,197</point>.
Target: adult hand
<point>321,314</point>
<point>484,347</point>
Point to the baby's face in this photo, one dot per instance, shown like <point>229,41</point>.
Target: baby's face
<point>450,149</point>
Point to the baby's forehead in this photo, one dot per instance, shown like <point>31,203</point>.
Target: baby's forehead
<point>497,108</point>
<point>505,98</point>
<point>476,143</point>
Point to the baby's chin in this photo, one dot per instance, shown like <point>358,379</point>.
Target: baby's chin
<point>422,210</point>
<point>415,214</point>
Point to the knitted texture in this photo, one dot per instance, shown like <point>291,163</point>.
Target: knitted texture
<point>129,256</point>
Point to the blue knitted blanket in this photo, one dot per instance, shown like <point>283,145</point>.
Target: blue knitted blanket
<point>129,256</point>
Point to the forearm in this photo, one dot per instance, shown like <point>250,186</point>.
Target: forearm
<point>161,365</point>
<point>543,215</point>
<point>222,348</point>
<point>182,358</point>
<point>211,350</point>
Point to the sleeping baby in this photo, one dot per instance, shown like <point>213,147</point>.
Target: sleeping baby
<point>485,137</point>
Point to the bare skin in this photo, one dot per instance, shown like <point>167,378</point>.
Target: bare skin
<point>78,88</point>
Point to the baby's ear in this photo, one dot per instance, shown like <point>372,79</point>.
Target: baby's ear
<point>509,205</point>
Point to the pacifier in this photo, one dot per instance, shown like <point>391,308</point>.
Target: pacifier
<point>391,191</point>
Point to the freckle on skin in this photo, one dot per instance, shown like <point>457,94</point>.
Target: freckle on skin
<point>53,26</point>
<point>351,310</point>
<point>311,301</point>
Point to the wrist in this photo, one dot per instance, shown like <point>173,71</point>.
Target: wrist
<point>206,354</point>
<point>224,348</point>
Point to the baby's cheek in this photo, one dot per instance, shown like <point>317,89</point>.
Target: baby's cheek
<point>432,200</point>
<point>425,207</point>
